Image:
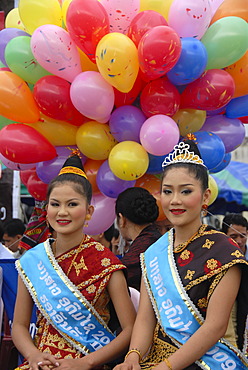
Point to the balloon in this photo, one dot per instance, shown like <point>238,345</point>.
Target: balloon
<point>16,166</point>
<point>190,18</point>
<point>160,97</point>
<point>239,73</point>
<point>91,169</point>
<point>213,90</point>
<point>5,121</point>
<point>230,130</point>
<point>92,96</point>
<point>209,143</point>
<point>87,22</point>
<point>236,8</point>
<point>36,187</point>
<point>155,164</point>
<point>21,61</point>
<point>6,35</point>
<point>214,189</point>
<point>161,7</point>
<point>55,51</point>
<point>25,174</point>
<point>17,102</point>
<point>120,13</point>
<point>57,132</point>
<point>52,95</point>
<point>191,64</point>
<point>158,51</point>
<point>95,140</point>
<point>214,5</point>
<point>225,41</point>
<point>125,123</point>
<point>13,20</point>
<point>64,8</point>
<point>109,184</point>
<point>143,22</point>
<point>19,143</point>
<point>117,61</point>
<point>189,120</point>
<point>153,185</point>
<point>159,134</point>
<point>238,107</point>
<point>129,97</point>
<point>103,216</point>
<point>225,162</point>
<point>128,160</point>
<point>86,63</point>
<point>35,13</point>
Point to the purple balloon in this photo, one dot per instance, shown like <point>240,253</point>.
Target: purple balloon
<point>125,123</point>
<point>6,35</point>
<point>230,130</point>
<point>109,184</point>
<point>16,166</point>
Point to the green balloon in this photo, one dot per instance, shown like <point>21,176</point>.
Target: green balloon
<point>21,61</point>
<point>226,41</point>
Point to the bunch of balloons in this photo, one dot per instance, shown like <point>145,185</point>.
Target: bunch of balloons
<point>122,80</point>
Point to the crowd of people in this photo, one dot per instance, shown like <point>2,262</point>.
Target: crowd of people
<point>191,278</point>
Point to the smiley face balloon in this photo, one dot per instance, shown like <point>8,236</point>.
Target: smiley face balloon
<point>117,61</point>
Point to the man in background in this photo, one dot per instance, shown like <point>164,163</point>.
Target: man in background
<point>13,232</point>
<point>235,226</point>
<point>4,252</point>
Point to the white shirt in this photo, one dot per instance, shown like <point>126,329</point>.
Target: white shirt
<point>5,253</point>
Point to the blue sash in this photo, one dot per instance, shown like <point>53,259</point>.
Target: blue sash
<point>61,302</point>
<point>175,312</point>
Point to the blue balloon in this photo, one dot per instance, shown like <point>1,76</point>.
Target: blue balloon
<point>223,164</point>
<point>109,184</point>
<point>191,64</point>
<point>155,164</point>
<point>237,107</point>
<point>211,148</point>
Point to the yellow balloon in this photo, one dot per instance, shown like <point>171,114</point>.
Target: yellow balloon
<point>214,189</point>
<point>86,63</point>
<point>128,160</point>
<point>117,61</point>
<point>58,133</point>
<point>95,140</point>
<point>36,13</point>
<point>160,6</point>
<point>64,8</point>
<point>189,120</point>
<point>13,20</point>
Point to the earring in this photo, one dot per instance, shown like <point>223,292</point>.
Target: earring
<point>87,218</point>
<point>47,222</point>
<point>204,210</point>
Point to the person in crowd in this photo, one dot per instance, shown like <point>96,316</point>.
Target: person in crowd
<point>76,283</point>
<point>163,225</point>
<point>4,252</point>
<point>115,242</point>
<point>235,226</point>
<point>192,278</point>
<point>136,210</point>
<point>13,232</point>
<point>105,237</point>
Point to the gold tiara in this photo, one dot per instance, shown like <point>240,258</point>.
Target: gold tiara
<point>181,154</point>
<point>71,169</point>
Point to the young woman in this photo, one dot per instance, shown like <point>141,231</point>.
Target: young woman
<point>193,301</point>
<point>74,281</point>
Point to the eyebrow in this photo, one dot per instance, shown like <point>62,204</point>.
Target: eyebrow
<point>179,185</point>
<point>69,200</point>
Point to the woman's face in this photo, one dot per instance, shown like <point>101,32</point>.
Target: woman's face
<point>182,197</point>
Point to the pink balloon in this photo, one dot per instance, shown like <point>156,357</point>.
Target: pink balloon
<point>120,13</point>
<point>190,18</point>
<point>214,5</point>
<point>55,51</point>
<point>16,166</point>
<point>103,216</point>
<point>159,134</point>
<point>92,96</point>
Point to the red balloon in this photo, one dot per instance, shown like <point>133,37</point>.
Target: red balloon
<point>212,90</point>
<point>244,119</point>
<point>143,22</point>
<point>160,97</point>
<point>23,144</point>
<point>25,174</point>
<point>36,187</point>
<point>128,98</point>
<point>87,22</point>
<point>158,51</point>
<point>91,168</point>
<point>52,95</point>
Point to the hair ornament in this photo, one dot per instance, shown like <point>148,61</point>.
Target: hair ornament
<point>182,154</point>
<point>73,165</point>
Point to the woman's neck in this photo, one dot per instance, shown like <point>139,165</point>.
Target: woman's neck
<point>184,233</point>
<point>66,242</point>
<point>135,230</point>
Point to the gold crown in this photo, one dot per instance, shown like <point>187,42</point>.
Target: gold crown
<point>181,154</point>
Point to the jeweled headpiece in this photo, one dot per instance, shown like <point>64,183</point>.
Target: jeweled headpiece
<point>182,154</point>
<point>73,164</point>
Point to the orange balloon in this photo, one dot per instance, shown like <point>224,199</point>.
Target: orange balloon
<point>239,72</point>
<point>91,168</point>
<point>86,63</point>
<point>17,102</point>
<point>152,183</point>
<point>235,8</point>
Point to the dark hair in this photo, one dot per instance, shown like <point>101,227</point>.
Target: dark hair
<point>1,231</point>
<point>108,234</point>
<point>137,205</point>
<point>235,219</point>
<point>14,227</point>
<point>116,233</point>
<point>80,184</point>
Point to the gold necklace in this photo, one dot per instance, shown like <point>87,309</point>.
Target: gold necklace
<point>180,247</point>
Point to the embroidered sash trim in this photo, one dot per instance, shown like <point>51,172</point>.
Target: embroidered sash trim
<point>175,311</point>
<point>61,303</point>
